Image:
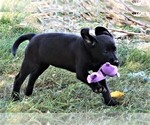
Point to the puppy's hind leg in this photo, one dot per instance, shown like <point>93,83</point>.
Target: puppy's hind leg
<point>26,69</point>
<point>33,77</point>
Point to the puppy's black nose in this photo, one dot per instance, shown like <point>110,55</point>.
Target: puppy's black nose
<point>116,62</point>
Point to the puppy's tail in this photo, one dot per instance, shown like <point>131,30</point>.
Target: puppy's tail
<point>20,40</point>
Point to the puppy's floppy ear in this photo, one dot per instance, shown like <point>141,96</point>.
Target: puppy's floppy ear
<point>88,39</point>
<point>102,30</point>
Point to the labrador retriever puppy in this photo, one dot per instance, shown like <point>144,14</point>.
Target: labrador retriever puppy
<point>78,54</point>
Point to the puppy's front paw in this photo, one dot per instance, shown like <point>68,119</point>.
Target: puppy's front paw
<point>97,88</point>
<point>112,102</point>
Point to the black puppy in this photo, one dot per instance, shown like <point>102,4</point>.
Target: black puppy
<point>71,52</point>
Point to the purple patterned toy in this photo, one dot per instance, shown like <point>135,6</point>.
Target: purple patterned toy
<point>106,70</point>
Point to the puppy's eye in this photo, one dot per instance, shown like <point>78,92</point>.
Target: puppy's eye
<point>105,51</point>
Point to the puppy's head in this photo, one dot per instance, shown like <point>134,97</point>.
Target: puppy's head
<point>101,47</point>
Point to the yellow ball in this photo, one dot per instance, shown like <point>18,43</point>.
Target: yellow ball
<point>116,94</point>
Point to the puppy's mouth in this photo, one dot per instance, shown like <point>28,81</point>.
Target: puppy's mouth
<point>115,63</point>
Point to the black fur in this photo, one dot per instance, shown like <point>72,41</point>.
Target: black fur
<point>78,54</point>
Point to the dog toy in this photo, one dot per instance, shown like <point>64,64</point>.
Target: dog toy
<point>106,70</point>
<point>116,94</point>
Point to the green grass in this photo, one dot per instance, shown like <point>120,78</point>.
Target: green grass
<point>58,91</point>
